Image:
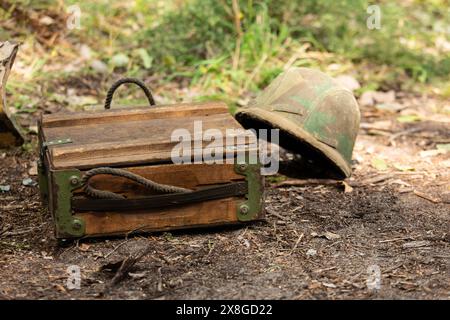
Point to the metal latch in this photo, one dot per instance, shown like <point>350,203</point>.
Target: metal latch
<point>47,144</point>
<point>56,142</point>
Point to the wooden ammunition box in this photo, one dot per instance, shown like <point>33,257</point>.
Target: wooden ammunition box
<point>99,151</point>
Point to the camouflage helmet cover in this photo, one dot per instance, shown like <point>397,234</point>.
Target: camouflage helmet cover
<point>317,117</point>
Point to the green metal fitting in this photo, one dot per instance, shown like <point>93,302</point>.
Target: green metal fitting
<point>250,209</point>
<point>64,182</point>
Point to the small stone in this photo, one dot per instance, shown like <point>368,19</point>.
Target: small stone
<point>367,99</point>
<point>6,188</point>
<point>28,182</point>
<point>348,82</point>
<point>331,236</point>
<point>85,52</point>
<point>384,97</point>
<point>99,66</point>
<point>311,252</point>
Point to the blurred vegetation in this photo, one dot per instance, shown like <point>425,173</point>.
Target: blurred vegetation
<point>229,48</point>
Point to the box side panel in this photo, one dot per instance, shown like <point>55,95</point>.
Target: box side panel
<point>199,214</point>
<point>203,214</point>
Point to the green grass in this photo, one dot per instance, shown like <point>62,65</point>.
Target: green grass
<point>199,42</point>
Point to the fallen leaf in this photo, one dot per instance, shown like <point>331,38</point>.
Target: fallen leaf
<point>384,97</point>
<point>329,285</point>
<point>33,171</point>
<point>402,167</point>
<point>446,163</point>
<point>314,285</point>
<point>409,118</point>
<point>347,187</point>
<point>85,52</point>
<point>379,164</point>
<point>84,247</point>
<point>60,288</point>
<point>426,196</point>
<point>367,99</point>
<point>390,107</point>
<point>348,82</point>
<point>145,57</point>
<point>445,147</point>
<point>431,153</point>
<point>384,125</point>
<point>442,44</point>
<point>99,66</point>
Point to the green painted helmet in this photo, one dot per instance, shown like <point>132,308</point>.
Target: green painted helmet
<point>317,118</point>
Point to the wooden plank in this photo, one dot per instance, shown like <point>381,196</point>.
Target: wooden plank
<point>134,114</point>
<point>123,157</point>
<point>131,142</point>
<point>154,130</point>
<point>209,213</point>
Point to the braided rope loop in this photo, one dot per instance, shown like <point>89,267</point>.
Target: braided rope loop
<point>149,184</point>
<point>118,83</point>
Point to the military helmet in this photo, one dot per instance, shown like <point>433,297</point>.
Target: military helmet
<point>317,117</point>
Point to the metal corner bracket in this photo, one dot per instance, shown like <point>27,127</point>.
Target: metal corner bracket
<point>251,208</point>
<point>64,182</point>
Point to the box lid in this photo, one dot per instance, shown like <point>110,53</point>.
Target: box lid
<point>132,136</point>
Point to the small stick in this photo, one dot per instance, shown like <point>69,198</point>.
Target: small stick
<point>272,213</point>
<point>296,243</point>
<point>396,239</point>
<point>117,247</point>
<point>375,179</point>
<point>305,182</point>
<point>427,197</point>
<point>126,265</point>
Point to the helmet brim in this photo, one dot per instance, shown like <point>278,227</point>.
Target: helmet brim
<point>296,139</point>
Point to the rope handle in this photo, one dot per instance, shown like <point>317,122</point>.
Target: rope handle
<point>149,184</point>
<point>122,81</point>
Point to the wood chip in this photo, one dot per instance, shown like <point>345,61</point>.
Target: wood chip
<point>347,187</point>
<point>296,243</point>
<point>331,235</point>
<point>376,179</point>
<point>416,244</point>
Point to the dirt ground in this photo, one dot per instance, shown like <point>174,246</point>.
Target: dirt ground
<point>320,241</point>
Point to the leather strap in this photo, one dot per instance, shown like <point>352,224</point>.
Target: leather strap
<point>160,201</point>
